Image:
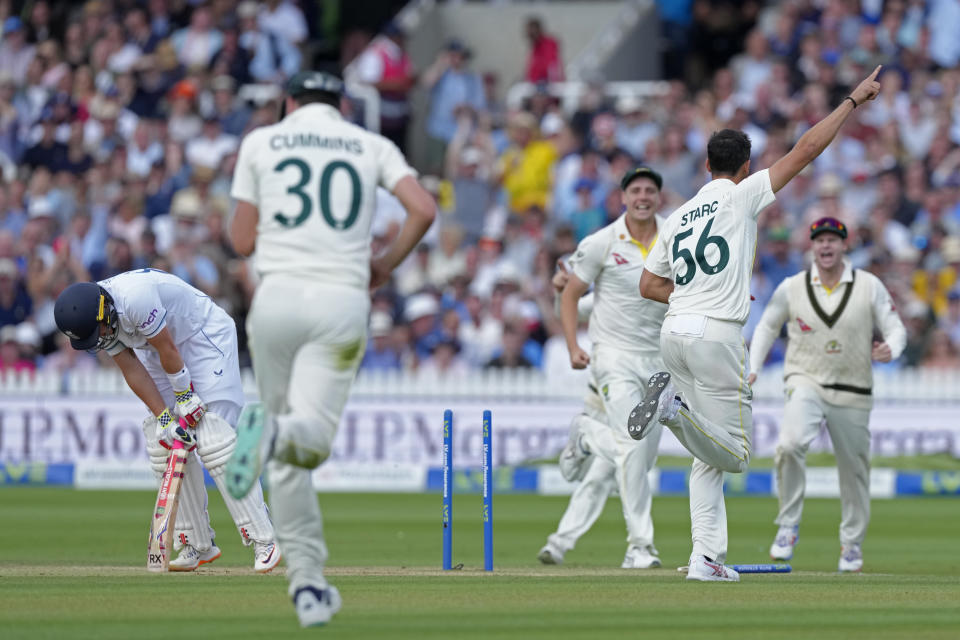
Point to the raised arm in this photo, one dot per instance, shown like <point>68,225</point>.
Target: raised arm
<point>813,142</point>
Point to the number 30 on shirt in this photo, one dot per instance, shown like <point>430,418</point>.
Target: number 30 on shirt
<point>306,201</point>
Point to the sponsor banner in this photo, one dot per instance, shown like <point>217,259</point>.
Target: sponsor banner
<point>108,429</point>
<point>544,480</point>
<point>380,478</point>
<point>134,474</point>
<point>505,480</point>
<point>36,474</point>
<point>928,483</point>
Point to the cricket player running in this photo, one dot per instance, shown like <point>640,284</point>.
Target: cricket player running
<point>624,330</point>
<point>831,313</point>
<point>305,190</point>
<point>175,348</point>
<point>595,475</point>
<point>702,264</point>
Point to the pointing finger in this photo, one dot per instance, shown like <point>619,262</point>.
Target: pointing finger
<point>876,71</point>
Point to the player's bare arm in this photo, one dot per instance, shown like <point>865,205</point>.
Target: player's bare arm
<point>189,406</point>
<point>654,287</point>
<point>421,211</point>
<point>881,352</point>
<point>243,229</point>
<point>572,292</point>
<point>140,381</point>
<point>813,142</point>
<point>170,357</point>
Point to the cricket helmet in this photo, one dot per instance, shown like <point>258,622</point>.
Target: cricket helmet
<point>79,312</point>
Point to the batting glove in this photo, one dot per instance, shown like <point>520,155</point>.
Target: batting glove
<point>189,407</point>
<point>171,429</point>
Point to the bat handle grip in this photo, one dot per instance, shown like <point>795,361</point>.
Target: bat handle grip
<point>176,444</point>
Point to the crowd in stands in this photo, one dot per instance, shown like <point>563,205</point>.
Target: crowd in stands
<point>119,124</point>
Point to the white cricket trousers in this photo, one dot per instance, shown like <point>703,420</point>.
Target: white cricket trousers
<point>589,497</point>
<point>621,378</point>
<point>211,357</point>
<point>803,413</point>
<point>709,364</point>
<point>306,340</point>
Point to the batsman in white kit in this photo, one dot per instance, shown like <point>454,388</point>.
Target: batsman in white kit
<point>702,265</point>
<point>305,190</point>
<point>178,349</point>
<point>831,312</point>
<point>624,332</point>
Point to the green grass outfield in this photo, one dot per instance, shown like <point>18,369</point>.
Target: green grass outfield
<point>72,566</point>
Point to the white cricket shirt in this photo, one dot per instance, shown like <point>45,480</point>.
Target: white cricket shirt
<point>313,178</point>
<point>612,261</point>
<point>147,300</point>
<point>707,246</point>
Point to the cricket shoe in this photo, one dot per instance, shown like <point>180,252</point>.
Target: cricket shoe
<point>575,459</point>
<point>660,404</point>
<point>783,544</point>
<point>641,558</point>
<point>705,570</point>
<point>266,556</point>
<point>550,554</point>
<point>189,558</point>
<point>255,433</point>
<point>315,607</point>
<point>851,559</point>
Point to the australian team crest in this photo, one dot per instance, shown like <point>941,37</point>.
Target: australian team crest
<point>833,347</point>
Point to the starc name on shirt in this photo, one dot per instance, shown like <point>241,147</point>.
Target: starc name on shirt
<point>700,212</point>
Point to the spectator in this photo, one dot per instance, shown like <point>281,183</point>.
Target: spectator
<point>890,194</point>
<point>414,275</point>
<point>15,305</point>
<point>511,355</point>
<point>420,311</point>
<point>284,19</point>
<point>15,54</point>
<point>48,152</point>
<point>753,68</point>
<point>232,60</point>
<point>524,167</point>
<point>452,87</point>
<point>941,353</point>
<point>212,146</point>
<point>445,362</point>
<point>950,321</point>
<point>380,354</point>
<point>778,259</point>
<point>448,260</point>
<point>197,43</point>
<point>386,65</point>
<point>144,150</point>
<point>470,169</point>
<point>11,360</point>
<point>543,61</point>
<point>635,127</point>
<point>230,112</point>
<point>272,58</point>
<point>587,217</point>
<point>66,360</point>
<point>481,334</point>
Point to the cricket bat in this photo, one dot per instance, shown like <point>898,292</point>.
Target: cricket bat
<point>160,543</point>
